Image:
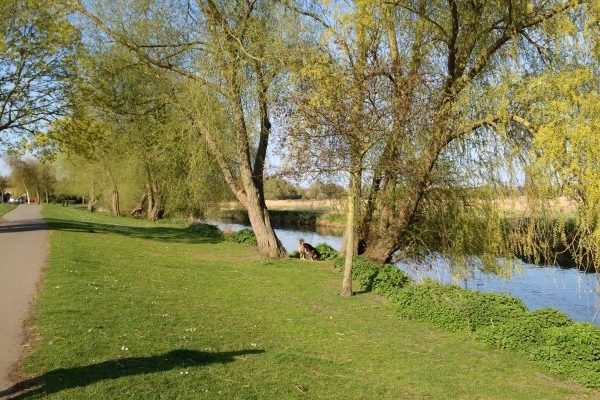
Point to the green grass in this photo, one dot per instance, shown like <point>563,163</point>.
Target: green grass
<point>133,310</point>
<point>4,208</point>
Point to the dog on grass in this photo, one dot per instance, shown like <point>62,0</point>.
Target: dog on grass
<point>306,251</point>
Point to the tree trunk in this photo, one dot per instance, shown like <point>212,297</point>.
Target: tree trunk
<point>91,206</point>
<point>396,216</point>
<point>47,198</point>
<point>252,175</point>
<point>115,207</point>
<point>155,211</point>
<point>268,243</point>
<point>139,209</point>
<point>353,193</point>
<point>381,248</point>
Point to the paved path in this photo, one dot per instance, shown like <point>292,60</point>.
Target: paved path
<point>23,251</point>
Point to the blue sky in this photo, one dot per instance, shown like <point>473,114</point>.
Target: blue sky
<point>3,167</point>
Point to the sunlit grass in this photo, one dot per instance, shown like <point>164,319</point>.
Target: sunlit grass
<point>134,310</point>
<point>4,208</point>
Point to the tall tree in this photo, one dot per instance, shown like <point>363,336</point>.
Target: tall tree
<point>336,119</point>
<point>434,87</point>
<point>126,124</point>
<point>4,185</point>
<point>24,175</point>
<point>37,47</point>
<point>234,50</point>
<point>451,80</point>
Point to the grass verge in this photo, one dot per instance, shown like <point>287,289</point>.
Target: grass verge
<point>4,208</point>
<point>133,310</point>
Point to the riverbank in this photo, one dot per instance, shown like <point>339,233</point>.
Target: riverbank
<point>325,218</point>
<point>307,219</point>
<point>132,309</point>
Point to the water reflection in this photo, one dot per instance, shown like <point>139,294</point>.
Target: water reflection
<point>571,291</point>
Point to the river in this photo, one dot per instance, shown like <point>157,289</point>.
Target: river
<point>571,291</point>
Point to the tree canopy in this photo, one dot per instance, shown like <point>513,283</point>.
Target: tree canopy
<point>37,52</point>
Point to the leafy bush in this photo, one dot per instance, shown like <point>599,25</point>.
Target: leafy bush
<point>456,309</point>
<point>389,280</point>
<point>205,230</point>
<point>572,350</point>
<point>320,191</point>
<point>550,337</point>
<point>294,254</point>
<point>363,271</point>
<point>546,335</point>
<point>245,236</point>
<point>382,279</point>
<point>525,331</point>
<point>326,252</point>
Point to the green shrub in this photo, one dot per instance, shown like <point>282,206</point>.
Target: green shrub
<point>572,350</point>
<point>294,254</point>
<point>389,280</point>
<point>525,331</point>
<point>456,309</point>
<point>326,252</point>
<point>245,236</point>
<point>363,271</point>
<point>549,336</point>
<point>369,276</point>
<point>205,230</point>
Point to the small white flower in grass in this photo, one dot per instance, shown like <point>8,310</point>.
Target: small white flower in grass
<point>124,348</point>
<point>253,344</point>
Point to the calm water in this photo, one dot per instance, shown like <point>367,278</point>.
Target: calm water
<point>571,291</point>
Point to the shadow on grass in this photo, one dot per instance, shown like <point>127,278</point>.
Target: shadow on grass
<point>195,233</point>
<point>68,378</point>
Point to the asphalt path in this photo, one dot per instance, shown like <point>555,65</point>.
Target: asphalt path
<point>23,252</point>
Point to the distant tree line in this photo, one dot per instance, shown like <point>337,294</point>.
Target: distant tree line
<point>280,189</point>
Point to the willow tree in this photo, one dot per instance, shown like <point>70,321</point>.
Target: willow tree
<point>440,66</point>
<point>126,135</point>
<point>235,51</point>
<point>439,84</point>
<point>565,155</point>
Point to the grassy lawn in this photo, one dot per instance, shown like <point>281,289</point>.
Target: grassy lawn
<point>4,208</point>
<point>133,310</point>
